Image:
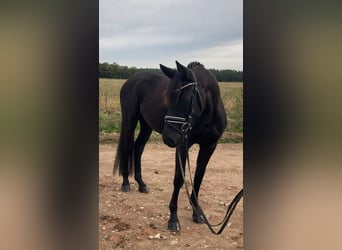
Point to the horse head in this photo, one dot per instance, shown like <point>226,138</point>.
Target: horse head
<point>185,103</point>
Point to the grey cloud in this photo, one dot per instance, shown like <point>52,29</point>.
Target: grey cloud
<point>158,29</point>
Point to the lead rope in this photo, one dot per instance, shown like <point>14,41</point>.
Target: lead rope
<point>198,210</point>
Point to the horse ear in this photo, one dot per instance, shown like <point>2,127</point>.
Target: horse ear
<point>167,71</point>
<point>185,72</point>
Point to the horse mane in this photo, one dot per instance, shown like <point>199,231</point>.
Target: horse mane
<point>194,65</point>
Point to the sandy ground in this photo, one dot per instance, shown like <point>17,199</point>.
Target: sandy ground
<point>139,221</point>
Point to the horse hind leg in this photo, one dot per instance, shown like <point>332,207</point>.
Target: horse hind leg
<point>139,145</point>
<point>125,151</point>
<point>126,161</point>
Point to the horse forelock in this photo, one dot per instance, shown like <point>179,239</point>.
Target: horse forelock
<point>175,83</point>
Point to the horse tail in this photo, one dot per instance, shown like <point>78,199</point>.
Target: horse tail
<point>124,159</point>
<point>123,162</point>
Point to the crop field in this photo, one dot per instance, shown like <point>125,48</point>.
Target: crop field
<point>110,113</point>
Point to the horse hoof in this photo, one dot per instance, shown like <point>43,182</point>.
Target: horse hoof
<point>144,189</point>
<point>198,219</point>
<point>173,226</point>
<point>125,188</point>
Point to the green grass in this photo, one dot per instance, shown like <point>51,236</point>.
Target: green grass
<point>231,94</point>
<point>110,112</point>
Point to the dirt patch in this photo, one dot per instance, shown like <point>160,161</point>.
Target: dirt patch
<point>139,221</point>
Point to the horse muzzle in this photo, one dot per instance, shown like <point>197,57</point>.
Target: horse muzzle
<point>169,142</point>
<point>175,129</point>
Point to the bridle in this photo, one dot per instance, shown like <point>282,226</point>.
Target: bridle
<point>186,125</point>
<point>185,122</point>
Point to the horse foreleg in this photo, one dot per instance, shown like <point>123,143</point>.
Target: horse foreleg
<point>173,224</point>
<point>203,157</point>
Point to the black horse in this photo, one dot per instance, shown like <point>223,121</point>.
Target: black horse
<point>186,108</point>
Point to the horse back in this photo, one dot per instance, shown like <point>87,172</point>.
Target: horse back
<point>143,95</point>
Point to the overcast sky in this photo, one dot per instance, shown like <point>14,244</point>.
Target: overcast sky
<point>149,32</point>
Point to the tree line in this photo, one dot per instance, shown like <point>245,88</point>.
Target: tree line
<point>117,71</point>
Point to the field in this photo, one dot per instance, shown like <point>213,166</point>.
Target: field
<point>110,114</point>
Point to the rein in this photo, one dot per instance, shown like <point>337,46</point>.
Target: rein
<point>198,210</point>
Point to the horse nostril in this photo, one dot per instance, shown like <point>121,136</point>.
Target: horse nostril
<point>169,142</point>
